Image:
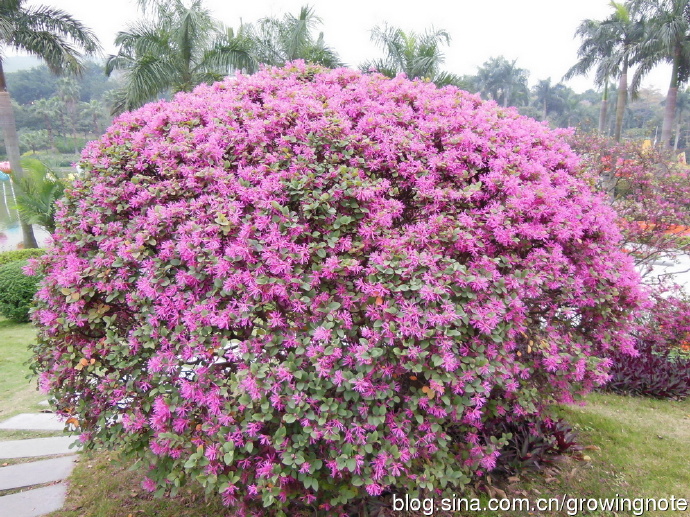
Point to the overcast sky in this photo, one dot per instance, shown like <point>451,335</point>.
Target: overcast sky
<point>538,33</point>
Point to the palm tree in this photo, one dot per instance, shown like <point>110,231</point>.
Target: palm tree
<point>612,45</point>
<point>595,49</point>
<point>34,139</point>
<point>550,97</point>
<point>277,41</point>
<point>48,110</point>
<point>68,93</point>
<point>40,188</point>
<point>502,81</point>
<point>177,49</point>
<point>93,111</point>
<point>667,39</point>
<point>50,34</point>
<point>418,56</point>
<point>682,103</point>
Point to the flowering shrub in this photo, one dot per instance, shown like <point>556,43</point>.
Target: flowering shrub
<point>303,287</point>
<point>650,191</point>
<point>648,188</point>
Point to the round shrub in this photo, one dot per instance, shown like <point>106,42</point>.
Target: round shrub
<point>304,287</point>
<point>16,291</point>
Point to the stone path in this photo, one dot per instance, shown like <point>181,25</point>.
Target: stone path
<point>34,422</point>
<point>37,501</point>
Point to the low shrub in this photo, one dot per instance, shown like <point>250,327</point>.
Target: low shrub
<point>12,256</point>
<point>533,443</point>
<point>16,291</point>
<point>305,287</point>
<point>656,372</point>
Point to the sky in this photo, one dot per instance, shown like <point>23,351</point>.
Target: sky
<point>539,34</point>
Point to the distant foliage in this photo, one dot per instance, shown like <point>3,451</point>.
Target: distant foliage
<point>305,287</point>
<point>16,291</point>
<point>15,255</point>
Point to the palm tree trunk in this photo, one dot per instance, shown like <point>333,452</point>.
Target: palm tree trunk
<point>604,108</point>
<point>622,98</point>
<point>51,135</point>
<point>670,108</point>
<point>675,142</point>
<point>9,130</point>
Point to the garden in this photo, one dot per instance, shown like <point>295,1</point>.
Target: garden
<point>313,290</point>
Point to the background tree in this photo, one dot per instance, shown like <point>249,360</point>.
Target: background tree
<point>418,56</point>
<point>176,49</point>
<point>48,33</point>
<point>612,45</point>
<point>682,105</point>
<point>48,110</point>
<point>68,93</point>
<point>502,81</point>
<point>34,140</point>
<point>275,41</point>
<point>666,39</point>
<point>549,98</point>
<point>92,114</point>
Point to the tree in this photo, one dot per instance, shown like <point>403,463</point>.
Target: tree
<point>276,41</point>
<point>612,45</point>
<point>34,140</point>
<point>682,104</point>
<point>48,110</point>
<point>418,56</point>
<point>92,113</point>
<point>68,93</point>
<point>26,86</point>
<point>174,50</point>
<point>52,35</point>
<point>549,97</point>
<point>666,39</point>
<point>502,81</point>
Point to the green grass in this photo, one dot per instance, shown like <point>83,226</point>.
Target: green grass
<point>17,393</point>
<point>645,444</point>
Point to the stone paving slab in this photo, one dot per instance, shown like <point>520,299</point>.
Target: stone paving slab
<point>34,422</point>
<point>36,472</point>
<point>34,503</point>
<point>37,447</point>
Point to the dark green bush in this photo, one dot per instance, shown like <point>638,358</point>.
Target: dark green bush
<point>16,291</point>
<point>12,256</point>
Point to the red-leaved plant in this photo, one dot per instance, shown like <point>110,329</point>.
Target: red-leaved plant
<point>304,287</point>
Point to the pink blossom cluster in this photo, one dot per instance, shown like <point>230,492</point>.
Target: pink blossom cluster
<point>306,286</point>
<point>650,191</point>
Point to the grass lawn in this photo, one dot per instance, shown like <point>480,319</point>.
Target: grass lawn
<point>17,393</point>
<point>645,444</point>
